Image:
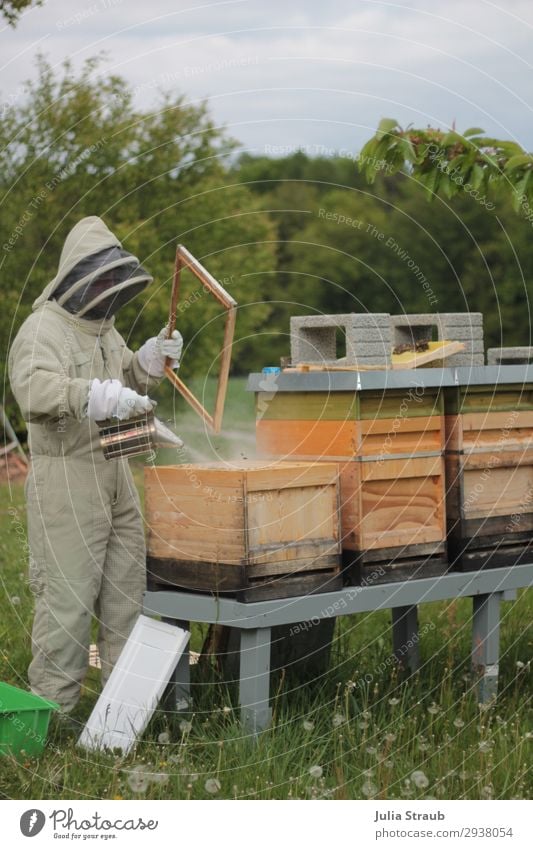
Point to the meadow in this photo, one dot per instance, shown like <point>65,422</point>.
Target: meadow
<point>358,731</point>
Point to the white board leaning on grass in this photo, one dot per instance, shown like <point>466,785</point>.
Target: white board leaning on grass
<point>135,685</point>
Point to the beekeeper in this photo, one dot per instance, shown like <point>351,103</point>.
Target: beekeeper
<point>69,367</point>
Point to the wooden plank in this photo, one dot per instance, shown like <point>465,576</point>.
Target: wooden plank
<point>299,585</point>
<point>362,572</point>
<point>291,475</point>
<point>302,515</point>
<point>392,510</point>
<point>497,557</point>
<point>319,439</point>
<point>408,467</point>
<point>310,406</point>
<point>472,432</point>
<point>400,435</point>
<point>405,403</point>
<point>471,399</point>
<point>293,567</point>
<point>207,576</point>
<point>436,351</point>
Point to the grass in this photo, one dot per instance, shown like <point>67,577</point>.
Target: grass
<point>357,731</point>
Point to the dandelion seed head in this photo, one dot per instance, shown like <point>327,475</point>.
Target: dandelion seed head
<point>338,720</point>
<point>315,771</point>
<point>212,786</point>
<point>420,779</point>
<point>369,789</point>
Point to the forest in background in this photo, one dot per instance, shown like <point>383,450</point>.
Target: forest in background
<point>287,235</point>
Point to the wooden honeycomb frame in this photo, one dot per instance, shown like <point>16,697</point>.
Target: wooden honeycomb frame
<point>184,259</point>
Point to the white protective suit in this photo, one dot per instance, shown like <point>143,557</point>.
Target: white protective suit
<point>85,525</point>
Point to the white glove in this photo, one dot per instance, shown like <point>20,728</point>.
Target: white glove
<point>110,399</point>
<point>153,353</point>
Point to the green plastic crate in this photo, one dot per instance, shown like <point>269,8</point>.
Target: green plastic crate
<point>24,719</point>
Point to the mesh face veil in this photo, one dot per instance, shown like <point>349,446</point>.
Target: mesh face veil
<point>100,284</point>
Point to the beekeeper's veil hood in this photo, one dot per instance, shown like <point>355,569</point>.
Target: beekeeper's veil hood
<point>95,275</point>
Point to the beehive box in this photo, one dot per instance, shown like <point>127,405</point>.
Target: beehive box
<point>389,445</point>
<point>489,474</point>
<point>255,530</point>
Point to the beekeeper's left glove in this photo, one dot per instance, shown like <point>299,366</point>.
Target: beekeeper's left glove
<point>153,353</point>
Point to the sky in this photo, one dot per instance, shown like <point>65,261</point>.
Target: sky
<point>307,74</point>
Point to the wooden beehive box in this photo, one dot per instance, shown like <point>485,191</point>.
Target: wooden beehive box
<point>389,446</point>
<point>259,530</point>
<point>489,475</point>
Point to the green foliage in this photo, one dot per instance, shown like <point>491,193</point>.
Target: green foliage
<point>448,162</point>
<point>12,9</point>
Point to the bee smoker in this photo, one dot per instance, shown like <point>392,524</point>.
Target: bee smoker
<point>139,435</point>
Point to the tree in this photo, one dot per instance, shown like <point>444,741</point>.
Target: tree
<point>12,9</point>
<point>77,146</point>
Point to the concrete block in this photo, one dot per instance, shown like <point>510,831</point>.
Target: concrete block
<point>321,338</point>
<point>509,356</point>
<point>461,327</point>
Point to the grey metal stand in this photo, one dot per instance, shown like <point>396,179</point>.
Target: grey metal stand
<point>405,639</point>
<point>255,619</point>
<point>486,643</point>
<point>254,686</point>
<point>178,695</point>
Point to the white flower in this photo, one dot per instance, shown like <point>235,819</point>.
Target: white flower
<point>138,779</point>
<point>459,723</point>
<point>394,701</point>
<point>420,779</point>
<point>371,750</point>
<point>369,789</point>
<point>212,786</point>
<point>226,709</point>
<point>15,600</point>
<point>338,719</point>
<point>363,724</point>
<point>390,737</point>
<point>424,747</point>
<point>185,726</point>
<point>159,777</point>
<point>528,735</point>
<point>308,725</point>
<point>519,664</point>
<point>487,792</point>
<point>433,709</point>
<point>315,771</point>
<point>485,746</point>
<point>164,738</point>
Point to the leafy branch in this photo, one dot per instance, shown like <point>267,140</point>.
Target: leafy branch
<point>446,162</point>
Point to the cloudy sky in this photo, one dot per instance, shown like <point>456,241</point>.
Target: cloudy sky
<point>307,73</point>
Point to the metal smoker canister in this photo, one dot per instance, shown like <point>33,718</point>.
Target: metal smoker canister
<point>140,435</point>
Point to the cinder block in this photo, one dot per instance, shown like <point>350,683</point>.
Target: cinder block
<point>461,327</point>
<point>366,335</point>
<point>519,355</point>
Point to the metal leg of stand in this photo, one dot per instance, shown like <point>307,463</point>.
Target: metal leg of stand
<point>405,639</point>
<point>486,643</point>
<point>254,688</point>
<point>178,693</point>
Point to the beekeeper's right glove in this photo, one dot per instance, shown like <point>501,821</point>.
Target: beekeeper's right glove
<point>110,399</point>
